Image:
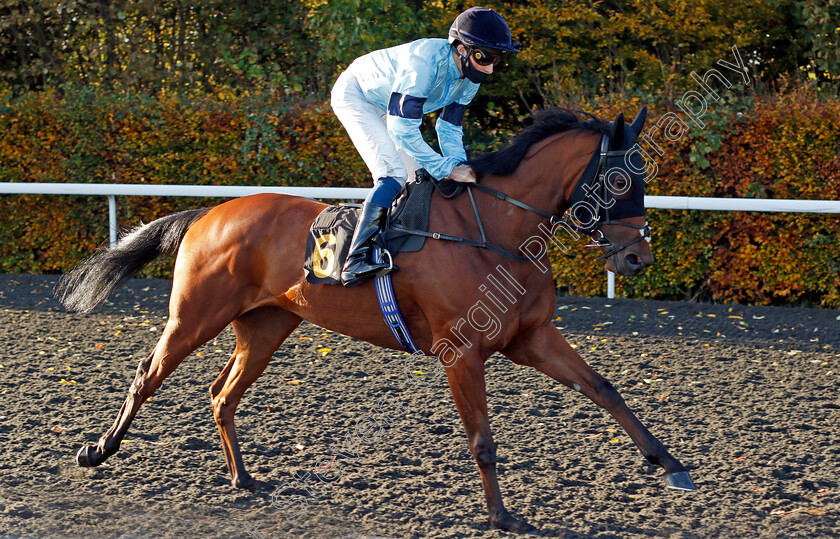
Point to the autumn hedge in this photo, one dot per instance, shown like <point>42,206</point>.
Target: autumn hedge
<point>785,145</point>
<point>762,146</point>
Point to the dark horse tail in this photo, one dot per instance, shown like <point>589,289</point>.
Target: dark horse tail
<point>92,281</point>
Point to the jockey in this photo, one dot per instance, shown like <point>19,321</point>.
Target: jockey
<point>381,99</point>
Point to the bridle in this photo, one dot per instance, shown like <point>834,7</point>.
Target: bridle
<point>585,187</point>
<point>594,177</point>
<point>595,173</point>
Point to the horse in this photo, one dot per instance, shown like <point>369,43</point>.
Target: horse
<point>240,263</point>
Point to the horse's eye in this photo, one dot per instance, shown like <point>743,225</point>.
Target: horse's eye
<point>619,185</point>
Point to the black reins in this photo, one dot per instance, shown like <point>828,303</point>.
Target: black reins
<point>595,170</point>
<point>484,244</point>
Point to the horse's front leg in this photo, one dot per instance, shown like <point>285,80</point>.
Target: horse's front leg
<point>546,350</point>
<point>466,380</point>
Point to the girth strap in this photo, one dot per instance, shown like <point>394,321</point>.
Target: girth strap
<point>390,311</point>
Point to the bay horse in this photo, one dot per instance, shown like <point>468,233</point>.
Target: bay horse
<point>240,263</point>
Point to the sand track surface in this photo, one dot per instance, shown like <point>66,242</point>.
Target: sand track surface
<point>748,398</point>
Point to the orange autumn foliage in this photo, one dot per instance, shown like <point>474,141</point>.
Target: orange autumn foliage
<point>753,146</point>
<point>759,146</point>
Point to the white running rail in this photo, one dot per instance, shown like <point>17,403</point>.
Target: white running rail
<point>113,190</point>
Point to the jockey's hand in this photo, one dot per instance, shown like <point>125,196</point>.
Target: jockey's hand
<point>463,174</point>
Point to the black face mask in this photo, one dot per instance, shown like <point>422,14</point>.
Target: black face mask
<point>467,70</point>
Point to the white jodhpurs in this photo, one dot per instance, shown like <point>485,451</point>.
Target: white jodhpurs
<point>365,123</point>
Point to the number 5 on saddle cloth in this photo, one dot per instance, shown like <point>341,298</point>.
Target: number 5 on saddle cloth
<point>330,234</point>
<point>329,239</point>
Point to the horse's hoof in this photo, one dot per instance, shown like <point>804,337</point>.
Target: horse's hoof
<point>84,457</point>
<point>510,523</point>
<point>679,481</point>
<point>250,484</point>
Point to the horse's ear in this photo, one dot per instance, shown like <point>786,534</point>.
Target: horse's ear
<point>617,132</point>
<point>639,122</point>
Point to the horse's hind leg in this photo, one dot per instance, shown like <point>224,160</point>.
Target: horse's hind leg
<point>181,336</point>
<point>258,334</point>
<point>546,350</point>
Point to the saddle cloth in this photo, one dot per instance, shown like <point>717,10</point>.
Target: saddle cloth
<point>330,234</point>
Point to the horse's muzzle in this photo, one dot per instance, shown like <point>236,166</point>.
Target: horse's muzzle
<point>631,263</point>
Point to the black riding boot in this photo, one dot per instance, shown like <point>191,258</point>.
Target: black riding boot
<point>359,265</point>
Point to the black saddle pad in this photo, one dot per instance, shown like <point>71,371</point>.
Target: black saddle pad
<point>329,235</point>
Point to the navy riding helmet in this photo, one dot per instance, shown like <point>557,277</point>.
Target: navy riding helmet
<point>482,28</point>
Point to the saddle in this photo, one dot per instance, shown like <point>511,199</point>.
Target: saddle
<point>329,237</point>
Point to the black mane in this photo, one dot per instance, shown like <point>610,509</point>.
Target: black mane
<point>547,122</point>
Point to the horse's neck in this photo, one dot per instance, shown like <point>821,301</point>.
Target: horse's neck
<point>545,180</point>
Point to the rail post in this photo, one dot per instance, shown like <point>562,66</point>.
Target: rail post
<point>112,218</point>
